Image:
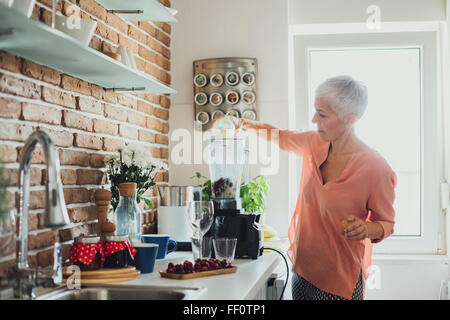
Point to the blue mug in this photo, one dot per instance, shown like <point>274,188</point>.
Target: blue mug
<point>145,256</point>
<point>162,240</point>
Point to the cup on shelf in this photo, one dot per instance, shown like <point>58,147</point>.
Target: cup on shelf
<point>127,57</point>
<point>82,31</point>
<point>131,60</point>
<point>24,6</point>
<point>145,256</point>
<point>163,241</point>
<point>124,55</point>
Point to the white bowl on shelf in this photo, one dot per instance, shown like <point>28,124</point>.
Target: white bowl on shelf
<point>82,32</point>
<point>24,6</point>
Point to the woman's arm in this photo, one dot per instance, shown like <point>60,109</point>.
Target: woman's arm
<point>374,230</point>
<point>263,130</point>
<point>287,140</point>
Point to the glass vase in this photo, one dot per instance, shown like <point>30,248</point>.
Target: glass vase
<point>128,216</point>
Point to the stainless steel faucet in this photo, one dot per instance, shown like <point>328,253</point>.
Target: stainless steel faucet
<point>25,279</point>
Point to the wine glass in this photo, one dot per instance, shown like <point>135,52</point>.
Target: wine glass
<point>201,216</point>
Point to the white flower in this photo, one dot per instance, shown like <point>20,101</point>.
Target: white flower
<point>126,156</point>
<point>155,163</point>
<point>110,157</point>
<point>114,158</point>
<point>142,157</point>
<point>121,147</point>
<point>138,156</point>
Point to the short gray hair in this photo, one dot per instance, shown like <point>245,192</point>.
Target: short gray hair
<point>345,95</point>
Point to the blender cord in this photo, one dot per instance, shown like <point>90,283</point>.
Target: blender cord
<point>287,269</point>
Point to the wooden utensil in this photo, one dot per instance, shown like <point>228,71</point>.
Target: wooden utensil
<point>104,275</point>
<point>102,201</point>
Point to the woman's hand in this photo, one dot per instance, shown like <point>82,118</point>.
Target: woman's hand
<point>238,122</point>
<point>354,228</point>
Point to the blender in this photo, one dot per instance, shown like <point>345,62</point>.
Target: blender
<point>226,159</point>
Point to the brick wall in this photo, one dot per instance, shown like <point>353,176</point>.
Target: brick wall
<point>85,122</point>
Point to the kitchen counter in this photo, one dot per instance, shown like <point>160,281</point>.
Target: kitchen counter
<point>246,283</point>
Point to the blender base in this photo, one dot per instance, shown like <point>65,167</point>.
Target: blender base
<point>233,223</point>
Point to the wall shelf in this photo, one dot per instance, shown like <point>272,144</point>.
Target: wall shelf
<point>140,10</point>
<point>36,41</point>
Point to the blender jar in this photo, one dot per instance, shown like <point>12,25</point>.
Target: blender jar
<point>226,160</point>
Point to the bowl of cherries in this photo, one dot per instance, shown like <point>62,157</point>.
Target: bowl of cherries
<point>201,268</point>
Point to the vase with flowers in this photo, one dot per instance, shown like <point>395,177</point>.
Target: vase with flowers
<point>131,172</point>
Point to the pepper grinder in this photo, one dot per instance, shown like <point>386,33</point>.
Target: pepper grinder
<point>102,201</point>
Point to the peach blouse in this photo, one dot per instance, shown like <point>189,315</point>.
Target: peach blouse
<point>319,252</point>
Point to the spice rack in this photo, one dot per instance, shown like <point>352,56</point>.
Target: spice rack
<point>224,86</point>
<point>36,41</point>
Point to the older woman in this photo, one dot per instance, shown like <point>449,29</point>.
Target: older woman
<point>346,195</point>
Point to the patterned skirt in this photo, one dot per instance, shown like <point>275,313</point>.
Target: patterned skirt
<point>304,290</point>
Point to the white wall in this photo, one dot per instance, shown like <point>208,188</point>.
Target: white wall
<point>332,11</point>
<point>234,28</point>
<point>418,279</point>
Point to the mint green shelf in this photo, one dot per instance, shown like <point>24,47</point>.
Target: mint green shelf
<point>36,41</point>
<point>152,10</point>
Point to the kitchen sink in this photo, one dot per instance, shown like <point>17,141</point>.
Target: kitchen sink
<point>122,292</point>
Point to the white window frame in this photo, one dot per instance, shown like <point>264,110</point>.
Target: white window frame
<point>433,240</point>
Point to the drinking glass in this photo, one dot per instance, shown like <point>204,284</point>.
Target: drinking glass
<point>201,217</point>
<point>225,248</point>
<point>206,247</point>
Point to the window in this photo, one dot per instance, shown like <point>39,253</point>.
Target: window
<point>392,118</point>
<point>401,121</point>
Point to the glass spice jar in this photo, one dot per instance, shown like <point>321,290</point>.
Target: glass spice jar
<point>127,216</point>
<point>119,253</point>
<point>87,253</point>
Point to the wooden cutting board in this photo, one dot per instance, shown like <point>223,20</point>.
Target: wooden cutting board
<point>194,275</point>
<point>104,275</point>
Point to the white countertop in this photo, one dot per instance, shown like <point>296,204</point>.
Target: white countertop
<point>249,278</point>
